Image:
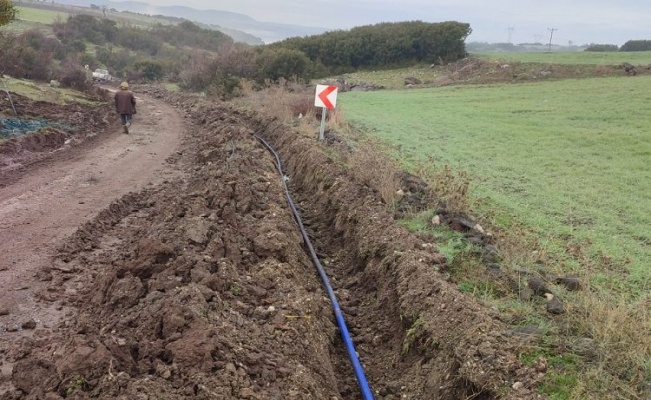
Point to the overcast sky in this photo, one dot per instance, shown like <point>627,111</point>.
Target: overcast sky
<point>579,21</point>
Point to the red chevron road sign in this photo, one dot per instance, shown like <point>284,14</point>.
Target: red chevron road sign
<point>326,96</point>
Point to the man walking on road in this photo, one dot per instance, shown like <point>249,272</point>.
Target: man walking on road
<point>125,105</point>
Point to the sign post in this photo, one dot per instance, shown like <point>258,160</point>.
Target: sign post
<point>326,98</point>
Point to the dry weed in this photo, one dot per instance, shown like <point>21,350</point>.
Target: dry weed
<point>450,186</point>
<point>622,335</point>
<point>375,170</point>
<point>285,101</point>
<point>614,334</point>
<point>336,121</point>
<point>295,106</point>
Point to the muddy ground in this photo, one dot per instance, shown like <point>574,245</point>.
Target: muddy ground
<point>71,125</point>
<point>200,287</point>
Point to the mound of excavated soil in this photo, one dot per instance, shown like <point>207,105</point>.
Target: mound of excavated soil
<point>473,70</point>
<point>72,124</point>
<point>201,288</point>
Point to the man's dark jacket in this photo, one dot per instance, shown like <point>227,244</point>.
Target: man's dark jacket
<point>125,102</point>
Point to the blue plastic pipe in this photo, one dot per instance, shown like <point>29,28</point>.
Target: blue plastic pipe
<point>345,335</point>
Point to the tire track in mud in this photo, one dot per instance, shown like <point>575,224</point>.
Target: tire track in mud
<point>201,288</point>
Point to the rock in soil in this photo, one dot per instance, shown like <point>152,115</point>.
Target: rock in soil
<point>30,324</point>
<point>538,286</point>
<point>555,306</point>
<point>571,283</point>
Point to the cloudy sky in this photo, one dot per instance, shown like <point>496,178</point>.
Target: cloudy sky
<point>579,21</point>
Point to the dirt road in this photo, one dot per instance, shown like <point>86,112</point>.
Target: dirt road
<point>44,207</point>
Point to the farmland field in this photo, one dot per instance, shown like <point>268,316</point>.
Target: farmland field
<point>560,171</point>
<point>569,159</point>
<point>43,14</point>
<point>579,57</point>
<point>29,14</point>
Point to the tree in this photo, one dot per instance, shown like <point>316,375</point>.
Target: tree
<point>7,12</point>
<point>150,70</point>
<point>281,63</point>
<point>636,45</point>
<point>602,47</point>
<point>384,45</point>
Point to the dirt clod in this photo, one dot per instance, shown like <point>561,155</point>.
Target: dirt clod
<point>555,306</point>
<point>538,286</point>
<point>571,282</point>
<point>29,324</point>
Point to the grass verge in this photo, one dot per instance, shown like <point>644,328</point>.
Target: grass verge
<point>43,92</point>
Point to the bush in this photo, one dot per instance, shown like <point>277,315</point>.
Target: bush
<point>383,45</point>
<point>7,12</point>
<point>29,55</point>
<point>602,47</point>
<point>281,63</point>
<point>138,39</point>
<point>86,27</point>
<point>636,45</point>
<point>237,60</point>
<point>150,70</point>
<point>73,76</point>
<point>224,86</point>
<point>114,60</point>
<point>198,73</point>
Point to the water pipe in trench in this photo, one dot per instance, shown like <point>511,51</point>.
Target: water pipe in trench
<point>345,335</point>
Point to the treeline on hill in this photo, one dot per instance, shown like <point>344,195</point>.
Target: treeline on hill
<point>382,45</point>
<point>203,59</point>
<point>631,45</point>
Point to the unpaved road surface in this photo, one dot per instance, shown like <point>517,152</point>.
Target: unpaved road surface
<point>199,286</point>
<point>40,210</point>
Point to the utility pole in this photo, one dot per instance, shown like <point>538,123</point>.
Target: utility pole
<point>511,29</point>
<point>551,35</point>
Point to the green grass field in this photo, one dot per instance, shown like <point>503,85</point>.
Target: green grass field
<point>579,57</point>
<point>31,17</point>
<point>43,92</point>
<point>561,170</point>
<point>40,16</point>
<point>569,159</point>
<point>576,64</point>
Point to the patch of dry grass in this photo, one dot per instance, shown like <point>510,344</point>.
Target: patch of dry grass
<point>375,170</point>
<point>611,334</point>
<point>285,101</point>
<point>450,185</point>
<point>622,335</point>
<point>293,104</point>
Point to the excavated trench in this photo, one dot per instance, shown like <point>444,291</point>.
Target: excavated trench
<point>201,287</point>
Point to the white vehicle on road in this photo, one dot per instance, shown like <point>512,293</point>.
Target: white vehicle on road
<point>102,75</point>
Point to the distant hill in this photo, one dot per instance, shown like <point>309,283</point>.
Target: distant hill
<point>238,36</point>
<point>267,31</point>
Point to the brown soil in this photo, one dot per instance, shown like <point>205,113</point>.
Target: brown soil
<point>199,285</point>
<point>21,154</point>
<point>482,71</point>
